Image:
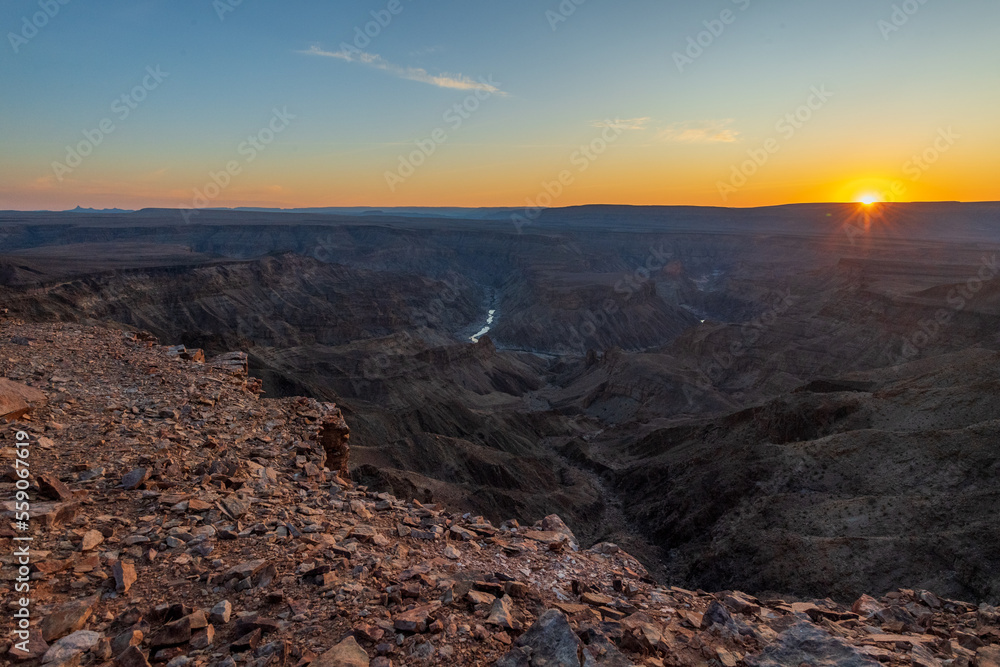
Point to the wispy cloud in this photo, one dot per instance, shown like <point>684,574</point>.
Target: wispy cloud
<point>700,132</point>
<point>457,82</point>
<point>623,123</point>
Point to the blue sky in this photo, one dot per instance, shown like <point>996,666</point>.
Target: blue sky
<point>353,121</point>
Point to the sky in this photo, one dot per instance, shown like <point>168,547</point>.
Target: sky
<point>195,103</point>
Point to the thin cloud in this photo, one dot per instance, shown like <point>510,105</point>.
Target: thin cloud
<point>623,123</point>
<point>700,132</point>
<point>456,82</point>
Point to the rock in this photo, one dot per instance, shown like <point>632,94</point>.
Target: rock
<point>17,400</point>
<point>133,479</point>
<point>245,570</point>
<point>804,643</point>
<point>203,638</point>
<point>124,640</point>
<point>452,553</point>
<point>197,619</point>
<point>601,652</point>
<point>221,612</point>
<point>132,657</point>
<point>596,599</point>
<point>502,614</point>
<point>726,658</point>
<point>921,656</point>
<point>256,622</point>
<point>515,589</point>
<point>553,524</point>
<point>49,486</point>
<point>480,597</point>
<point>606,548</point>
<point>414,620</point>
<point>866,606</point>
<point>36,647</point>
<point>102,652</point>
<point>47,514</point>
<point>335,437</point>
<point>68,650</point>
<point>645,632</point>
<point>462,533</point>
<point>67,618</point>
<point>172,634</point>
<point>929,599</point>
<point>248,641</point>
<point>988,656</point>
<point>124,574</point>
<point>91,539</point>
<point>740,604</point>
<point>717,614</point>
<point>550,642</point>
<point>347,653</point>
<point>236,507</point>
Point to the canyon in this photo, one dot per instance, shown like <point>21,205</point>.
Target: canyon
<point>793,400</point>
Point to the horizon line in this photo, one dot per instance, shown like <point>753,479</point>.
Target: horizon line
<point>278,209</point>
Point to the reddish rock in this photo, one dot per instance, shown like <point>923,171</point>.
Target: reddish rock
<point>67,618</point>
<point>172,634</point>
<point>124,574</point>
<point>248,641</point>
<point>335,438</point>
<point>132,657</point>
<point>36,647</point>
<point>414,620</point>
<point>124,640</point>
<point>866,606</point>
<point>347,653</point>
<point>91,539</point>
<point>17,400</point>
<point>203,638</point>
<point>49,486</point>
<point>502,614</point>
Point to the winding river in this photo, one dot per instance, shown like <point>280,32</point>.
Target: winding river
<point>486,329</point>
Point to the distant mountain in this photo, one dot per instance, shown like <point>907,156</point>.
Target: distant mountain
<point>80,209</point>
<point>496,213</point>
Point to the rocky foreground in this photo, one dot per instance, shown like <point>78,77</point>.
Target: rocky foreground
<point>178,518</point>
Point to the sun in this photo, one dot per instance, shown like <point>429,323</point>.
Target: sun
<point>869,199</point>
